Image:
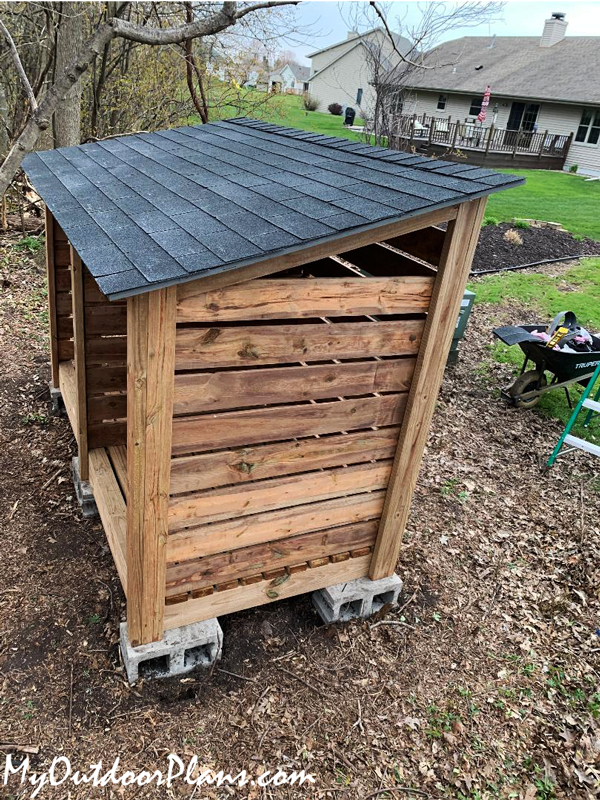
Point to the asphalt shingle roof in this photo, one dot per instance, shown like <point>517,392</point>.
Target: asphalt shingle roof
<point>152,209</point>
<point>514,66</point>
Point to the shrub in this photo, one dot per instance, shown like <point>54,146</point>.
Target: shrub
<point>335,109</point>
<point>573,168</point>
<point>311,103</point>
<point>490,221</point>
<point>512,237</point>
<point>521,223</point>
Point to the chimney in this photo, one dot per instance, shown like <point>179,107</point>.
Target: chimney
<point>554,29</point>
<point>352,35</point>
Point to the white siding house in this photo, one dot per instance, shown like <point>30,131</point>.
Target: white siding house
<point>557,118</point>
<point>537,84</point>
<point>343,72</point>
<point>291,78</point>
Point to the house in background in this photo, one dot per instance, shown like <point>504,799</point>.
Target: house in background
<point>290,79</point>
<point>538,85</point>
<point>343,73</point>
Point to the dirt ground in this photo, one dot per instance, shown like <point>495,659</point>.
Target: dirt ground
<point>483,684</point>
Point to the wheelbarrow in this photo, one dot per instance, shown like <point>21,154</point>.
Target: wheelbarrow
<point>564,368</point>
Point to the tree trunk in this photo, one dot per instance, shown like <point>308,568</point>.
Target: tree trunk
<point>67,117</point>
<point>67,78</point>
<point>4,144</point>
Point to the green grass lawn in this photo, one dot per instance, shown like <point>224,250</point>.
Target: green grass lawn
<point>577,289</point>
<point>288,109</point>
<point>553,197</point>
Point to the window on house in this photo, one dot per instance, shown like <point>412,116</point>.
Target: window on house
<point>475,106</point>
<point>441,103</point>
<point>589,127</point>
<point>359,97</point>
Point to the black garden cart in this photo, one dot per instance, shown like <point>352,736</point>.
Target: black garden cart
<point>564,367</point>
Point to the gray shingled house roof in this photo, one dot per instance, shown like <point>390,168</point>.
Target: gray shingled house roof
<point>300,73</point>
<point>153,209</point>
<point>513,66</point>
<point>399,41</point>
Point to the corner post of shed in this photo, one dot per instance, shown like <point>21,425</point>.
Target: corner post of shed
<point>52,312</point>
<point>80,363</point>
<point>150,377</point>
<point>455,264</point>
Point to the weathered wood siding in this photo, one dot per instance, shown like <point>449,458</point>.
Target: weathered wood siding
<point>64,297</point>
<point>288,397</point>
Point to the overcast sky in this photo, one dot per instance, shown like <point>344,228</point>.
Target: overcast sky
<point>329,21</point>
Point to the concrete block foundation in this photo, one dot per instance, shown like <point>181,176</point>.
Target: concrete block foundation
<point>357,599</point>
<point>57,404</point>
<point>83,491</point>
<point>179,651</point>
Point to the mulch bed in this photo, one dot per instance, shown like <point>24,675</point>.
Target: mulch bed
<point>484,684</point>
<point>539,243</point>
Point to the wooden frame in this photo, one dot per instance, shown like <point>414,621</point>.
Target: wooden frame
<point>455,265</point>
<point>52,315</point>
<point>80,364</point>
<point>150,374</point>
<point>254,436</point>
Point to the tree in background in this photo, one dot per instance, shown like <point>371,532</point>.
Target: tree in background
<point>284,57</point>
<point>113,47</point>
<point>392,64</point>
<point>69,33</point>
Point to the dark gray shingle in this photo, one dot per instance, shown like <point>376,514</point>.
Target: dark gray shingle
<point>150,209</point>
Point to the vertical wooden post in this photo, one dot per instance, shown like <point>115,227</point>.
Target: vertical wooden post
<point>566,147</point>
<point>457,256</point>
<point>516,144</point>
<point>542,143</point>
<point>52,313</point>
<point>456,124</point>
<point>150,378</point>
<point>431,130</point>
<point>489,141</point>
<point>79,350</point>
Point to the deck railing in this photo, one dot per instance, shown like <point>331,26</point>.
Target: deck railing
<point>414,130</point>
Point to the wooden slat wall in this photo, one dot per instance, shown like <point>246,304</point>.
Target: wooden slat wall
<point>105,325</point>
<point>454,266</point>
<point>106,371</point>
<point>64,300</point>
<point>288,397</point>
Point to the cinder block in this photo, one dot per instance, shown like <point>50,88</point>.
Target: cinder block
<point>179,651</point>
<point>357,599</point>
<point>57,404</point>
<point>83,491</point>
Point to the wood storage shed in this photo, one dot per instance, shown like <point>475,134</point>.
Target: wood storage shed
<point>249,326</point>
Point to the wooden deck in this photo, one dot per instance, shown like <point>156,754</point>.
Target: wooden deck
<point>472,143</point>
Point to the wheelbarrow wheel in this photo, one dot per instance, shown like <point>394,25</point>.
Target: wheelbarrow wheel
<point>527,382</point>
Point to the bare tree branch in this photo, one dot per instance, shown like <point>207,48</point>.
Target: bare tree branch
<point>191,68</point>
<point>224,18</point>
<point>19,66</point>
<point>400,55</point>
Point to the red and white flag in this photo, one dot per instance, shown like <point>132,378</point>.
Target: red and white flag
<point>484,104</point>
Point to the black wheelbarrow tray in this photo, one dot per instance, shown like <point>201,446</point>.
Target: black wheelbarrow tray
<point>564,368</point>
